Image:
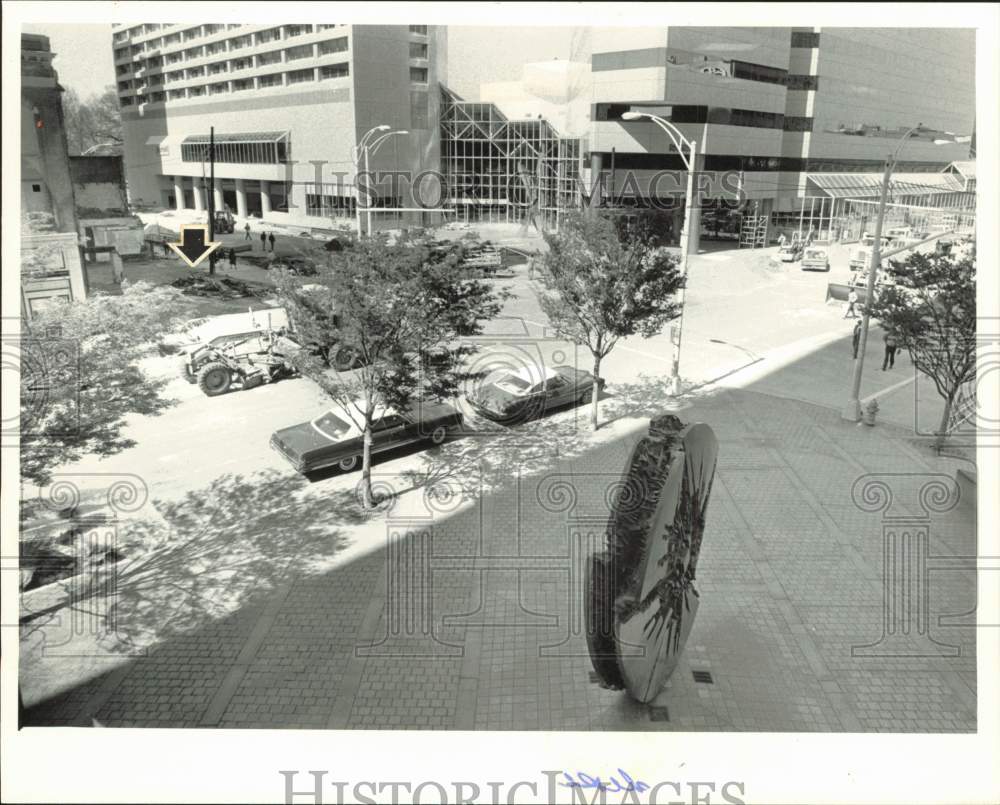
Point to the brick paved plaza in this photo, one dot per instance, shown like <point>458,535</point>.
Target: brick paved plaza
<point>275,604</point>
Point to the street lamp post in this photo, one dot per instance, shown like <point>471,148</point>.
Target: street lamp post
<point>852,411</point>
<point>691,163</point>
<point>365,147</point>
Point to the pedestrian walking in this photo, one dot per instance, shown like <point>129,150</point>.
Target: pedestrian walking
<point>246,229</point>
<point>271,239</point>
<point>781,240</point>
<point>263,241</point>
<point>852,301</point>
<point>856,338</point>
<point>232,259</point>
<point>890,351</point>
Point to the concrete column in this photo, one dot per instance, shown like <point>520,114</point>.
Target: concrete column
<point>220,205</point>
<point>179,191</point>
<point>265,198</point>
<point>596,165</point>
<point>199,201</point>
<point>694,228</point>
<point>241,198</point>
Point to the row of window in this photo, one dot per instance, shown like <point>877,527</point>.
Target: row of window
<point>327,71</point>
<point>662,57</point>
<point>805,39</point>
<point>712,114</point>
<point>735,162</point>
<point>235,65</point>
<point>330,206</point>
<point>338,45</point>
<point>239,153</point>
<point>258,37</point>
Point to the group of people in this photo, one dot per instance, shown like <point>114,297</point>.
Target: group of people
<point>265,238</point>
<point>889,343</point>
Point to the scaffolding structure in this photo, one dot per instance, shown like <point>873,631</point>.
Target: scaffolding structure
<point>753,232</point>
<point>499,170</point>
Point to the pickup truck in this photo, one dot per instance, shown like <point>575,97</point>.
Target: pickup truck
<point>815,259</point>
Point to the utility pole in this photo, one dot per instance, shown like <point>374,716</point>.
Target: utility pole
<point>686,234</point>
<point>211,197</point>
<point>853,410</point>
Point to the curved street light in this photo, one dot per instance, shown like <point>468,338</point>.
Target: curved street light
<point>690,161</point>
<point>372,148</point>
<point>365,147</point>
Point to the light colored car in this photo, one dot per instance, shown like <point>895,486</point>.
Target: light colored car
<point>790,252</point>
<point>815,259</point>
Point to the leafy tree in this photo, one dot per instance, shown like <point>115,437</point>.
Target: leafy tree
<point>601,284</point>
<point>929,305</point>
<point>81,374</point>
<point>399,308</point>
<point>93,122</point>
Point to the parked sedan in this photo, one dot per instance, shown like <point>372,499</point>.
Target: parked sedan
<point>332,439</point>
<point>529,392</point>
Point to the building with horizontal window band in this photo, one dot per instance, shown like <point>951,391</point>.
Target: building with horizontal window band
<point>792,110</point>
<point>288,103</point>
<point>784,111</point>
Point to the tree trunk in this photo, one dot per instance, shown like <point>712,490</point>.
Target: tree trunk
<point>366,469</point>
<point>943,427</point>
<point>596,392</point>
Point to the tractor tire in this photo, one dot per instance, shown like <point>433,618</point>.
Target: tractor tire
<point>214,379</point>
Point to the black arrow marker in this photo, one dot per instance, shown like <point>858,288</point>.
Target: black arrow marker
<point>192,246</point>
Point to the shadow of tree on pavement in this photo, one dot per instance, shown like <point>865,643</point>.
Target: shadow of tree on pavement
<point>219,549</point>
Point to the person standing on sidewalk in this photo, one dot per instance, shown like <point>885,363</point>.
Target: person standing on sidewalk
<point>890,351</point>
<point>263,241</point>
<point>856,338</point>
<point>852,300</point>
<point>271,239</point>
<point>246,229</point>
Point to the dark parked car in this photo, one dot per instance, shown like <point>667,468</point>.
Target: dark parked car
<point>333,440</point>
<point>530,392</point>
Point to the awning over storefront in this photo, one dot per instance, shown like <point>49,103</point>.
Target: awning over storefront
<point>869,185</point>
<point>156,139</point>
<point>241,137</point>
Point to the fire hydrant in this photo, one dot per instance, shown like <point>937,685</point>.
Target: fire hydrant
<point>868,412</point>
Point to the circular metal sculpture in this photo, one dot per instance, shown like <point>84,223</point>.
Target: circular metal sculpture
<point>640,598</point>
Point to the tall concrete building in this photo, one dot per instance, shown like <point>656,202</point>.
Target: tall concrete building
<point>51,266</point>
<point>288,103</point>
<point>795,109</point>
<point>46,184</point>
